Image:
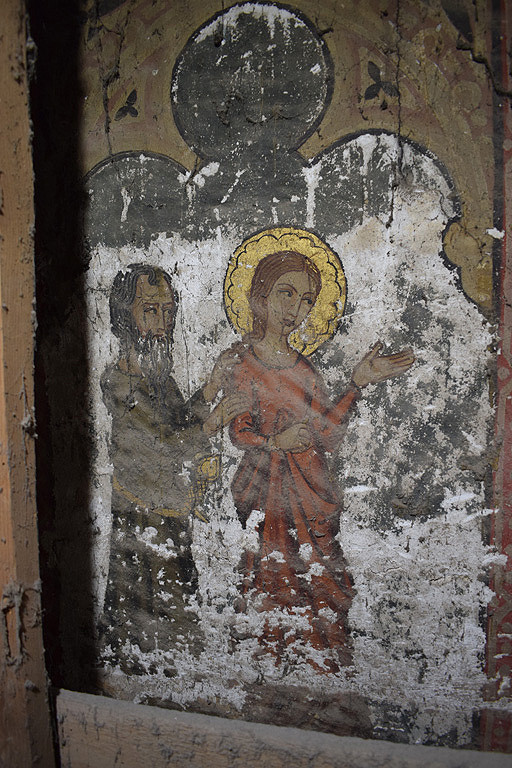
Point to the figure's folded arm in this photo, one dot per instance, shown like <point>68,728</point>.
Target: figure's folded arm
<point>243,429</point>
<point>329,419</point>
<point>243,433</point>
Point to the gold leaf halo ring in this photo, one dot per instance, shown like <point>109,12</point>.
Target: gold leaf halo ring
<point>322,321</point>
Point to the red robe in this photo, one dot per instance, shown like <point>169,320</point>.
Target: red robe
<point>299,568</point>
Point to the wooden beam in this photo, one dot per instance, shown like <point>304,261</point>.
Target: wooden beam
<point>25,732</point>
<point>96,732</point>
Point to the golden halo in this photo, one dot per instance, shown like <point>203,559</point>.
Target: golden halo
<point>322,321</point>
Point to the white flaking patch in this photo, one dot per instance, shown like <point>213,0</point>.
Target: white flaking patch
<point>270,13</point>
<point>166,550</point>
<point>498,234</point>
<point>126,203</point>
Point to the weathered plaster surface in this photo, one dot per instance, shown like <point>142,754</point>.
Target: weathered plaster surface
<point>414,463</point>
<point>412,524</point>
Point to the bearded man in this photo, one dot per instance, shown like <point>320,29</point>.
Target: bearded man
<point>162,465</point>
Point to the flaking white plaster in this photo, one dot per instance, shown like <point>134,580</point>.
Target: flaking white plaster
<point>419,574</point>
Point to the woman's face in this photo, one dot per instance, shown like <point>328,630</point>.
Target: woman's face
<point>289,301</point>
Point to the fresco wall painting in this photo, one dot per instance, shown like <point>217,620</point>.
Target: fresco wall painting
<point>292,338</point>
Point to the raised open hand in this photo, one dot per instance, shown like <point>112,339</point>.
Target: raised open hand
<point>375,367</point>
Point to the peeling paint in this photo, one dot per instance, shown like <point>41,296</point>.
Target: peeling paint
<point>413,464</point>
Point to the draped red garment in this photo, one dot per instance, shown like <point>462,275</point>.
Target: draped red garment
<point>299,568</point>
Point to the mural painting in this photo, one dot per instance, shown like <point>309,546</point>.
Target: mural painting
<point>155,433</point>
<point>289,327</point>
<point>282,487</point>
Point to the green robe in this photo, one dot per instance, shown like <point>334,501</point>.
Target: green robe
<point>157,439</point>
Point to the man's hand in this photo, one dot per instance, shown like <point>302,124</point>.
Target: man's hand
<point>295,439</point>
<point>223,370</point>
<point>375,367</point>
<point>228,409</point>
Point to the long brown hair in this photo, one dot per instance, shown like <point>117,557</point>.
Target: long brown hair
<point>269,269</point>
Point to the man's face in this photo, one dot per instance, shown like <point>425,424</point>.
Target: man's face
<point>153,309</point>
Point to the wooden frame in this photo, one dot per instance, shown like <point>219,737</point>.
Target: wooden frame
<point>98,733</point>
<point>25,730</point>
<point>95,731</point>
<point>496,724</point>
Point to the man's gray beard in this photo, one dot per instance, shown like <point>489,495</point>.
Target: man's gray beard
<point>154,357</point>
